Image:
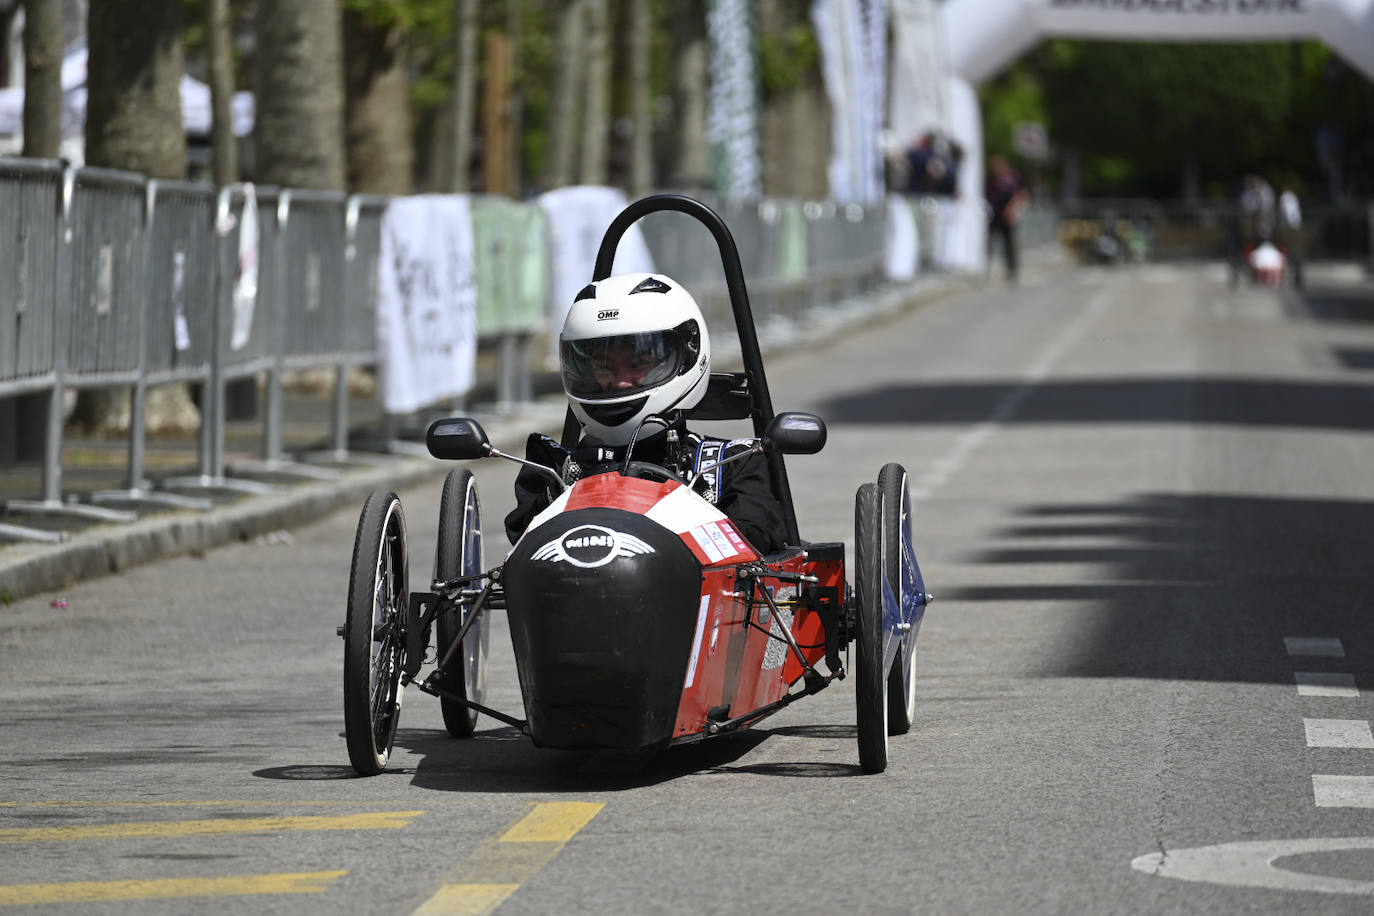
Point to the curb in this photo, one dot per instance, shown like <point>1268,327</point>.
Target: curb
<point>105,550</point>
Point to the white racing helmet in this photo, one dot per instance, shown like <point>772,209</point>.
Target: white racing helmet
<point>632,345</point>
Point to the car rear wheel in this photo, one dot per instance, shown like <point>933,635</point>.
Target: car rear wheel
<point>459,553</point>
<point>870,678</point>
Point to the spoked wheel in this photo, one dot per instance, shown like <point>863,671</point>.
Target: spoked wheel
<point>896,537</point>
<point>374,638</point>
<point>871,680</point>
<point>459,553</point>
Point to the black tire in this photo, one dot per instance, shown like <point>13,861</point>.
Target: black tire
<point>374,638</point>
<point>896,531</point>
<point>870,678</point>
<point>459,553</point>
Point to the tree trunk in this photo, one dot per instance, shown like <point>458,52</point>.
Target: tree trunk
<point>42,78</point>
<point>1192,179</point>
<point>692,160</point>
<point>566,95</point>
<point>220,50</point>
<point>298,134</point>
<point>464,91</point>
<point>496,136</point>
<point>381,148</point>
<point>596,126</point>
<point>641,141</point>
<point>515,115</point>
<point>811,126</point>
<point>23,420</point>
<point>778,150</point>
<point>133,100</point>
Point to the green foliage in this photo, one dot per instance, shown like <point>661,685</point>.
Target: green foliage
<point>408,15</point>
<point>1136,112</point>
<point>788,58</point>
<point>1015,98</point>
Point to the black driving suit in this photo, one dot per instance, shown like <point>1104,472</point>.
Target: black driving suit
<point>745,494</point>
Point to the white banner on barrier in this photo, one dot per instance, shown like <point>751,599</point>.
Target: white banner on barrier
<point>426,301</point>
<point>902,253</point>
<point>246,281</point>
<point>578,217</point>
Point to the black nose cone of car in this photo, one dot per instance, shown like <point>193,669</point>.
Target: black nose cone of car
<point>603,607</point>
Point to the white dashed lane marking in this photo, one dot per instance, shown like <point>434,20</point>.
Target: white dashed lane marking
<point>1263,864</point>
<point>952,461</point>
<point>1325,684</point>
<point>1338,733</point>
<point>1320,646</point>
<point>1343,791</point>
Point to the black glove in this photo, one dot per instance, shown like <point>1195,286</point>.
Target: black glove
<point>590,457</point>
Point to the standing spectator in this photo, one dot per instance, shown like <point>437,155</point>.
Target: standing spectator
<point>932,165</point>
<point>1257,210</point>
<point>1007,199</point>
<point>1290,232</point>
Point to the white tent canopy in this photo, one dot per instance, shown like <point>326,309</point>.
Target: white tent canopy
<point>195,103</point>
<point>984,36</point>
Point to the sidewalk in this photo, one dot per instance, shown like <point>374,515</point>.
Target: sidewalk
<point>102,548</point>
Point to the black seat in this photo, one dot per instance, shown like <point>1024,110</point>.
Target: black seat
<point>727,398</point>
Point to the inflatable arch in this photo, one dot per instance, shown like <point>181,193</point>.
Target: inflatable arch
<point>981,37</point>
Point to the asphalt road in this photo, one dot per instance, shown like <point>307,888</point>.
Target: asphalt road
<point>1144,503</point>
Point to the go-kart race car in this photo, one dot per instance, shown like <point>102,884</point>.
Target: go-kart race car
<point>640,616</point>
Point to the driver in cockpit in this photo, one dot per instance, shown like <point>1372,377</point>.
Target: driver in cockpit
<point>635,355</point>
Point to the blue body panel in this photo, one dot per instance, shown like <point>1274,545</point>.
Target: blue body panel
<point>910,610</point>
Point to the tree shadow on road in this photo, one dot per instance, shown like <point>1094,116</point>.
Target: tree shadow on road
<point>1202,587</point>
<point>1221,401</point>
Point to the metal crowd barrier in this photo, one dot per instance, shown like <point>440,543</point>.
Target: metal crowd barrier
<point>98,313</point>
<point>32,257</point>
<point>242,332</point>
<point>308,327</point>
<point>177,339</point>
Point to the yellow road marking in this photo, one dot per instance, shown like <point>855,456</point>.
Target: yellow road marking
<point>183,804</point>
<point>93,891</point>
<point>384,820</point>
<point>467,899</point>
<point>497,868</point>
<point>552,822</point>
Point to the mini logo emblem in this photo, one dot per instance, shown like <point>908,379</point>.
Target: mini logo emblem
<point>607,314</point>
<point>590,546</point>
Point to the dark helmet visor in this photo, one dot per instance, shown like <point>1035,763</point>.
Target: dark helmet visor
<point>615,367</point>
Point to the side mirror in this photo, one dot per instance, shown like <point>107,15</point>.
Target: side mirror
<point>796,433</point>
<point>457,438</point>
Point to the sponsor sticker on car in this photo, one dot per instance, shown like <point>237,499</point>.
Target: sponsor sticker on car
<point>715,543</point>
